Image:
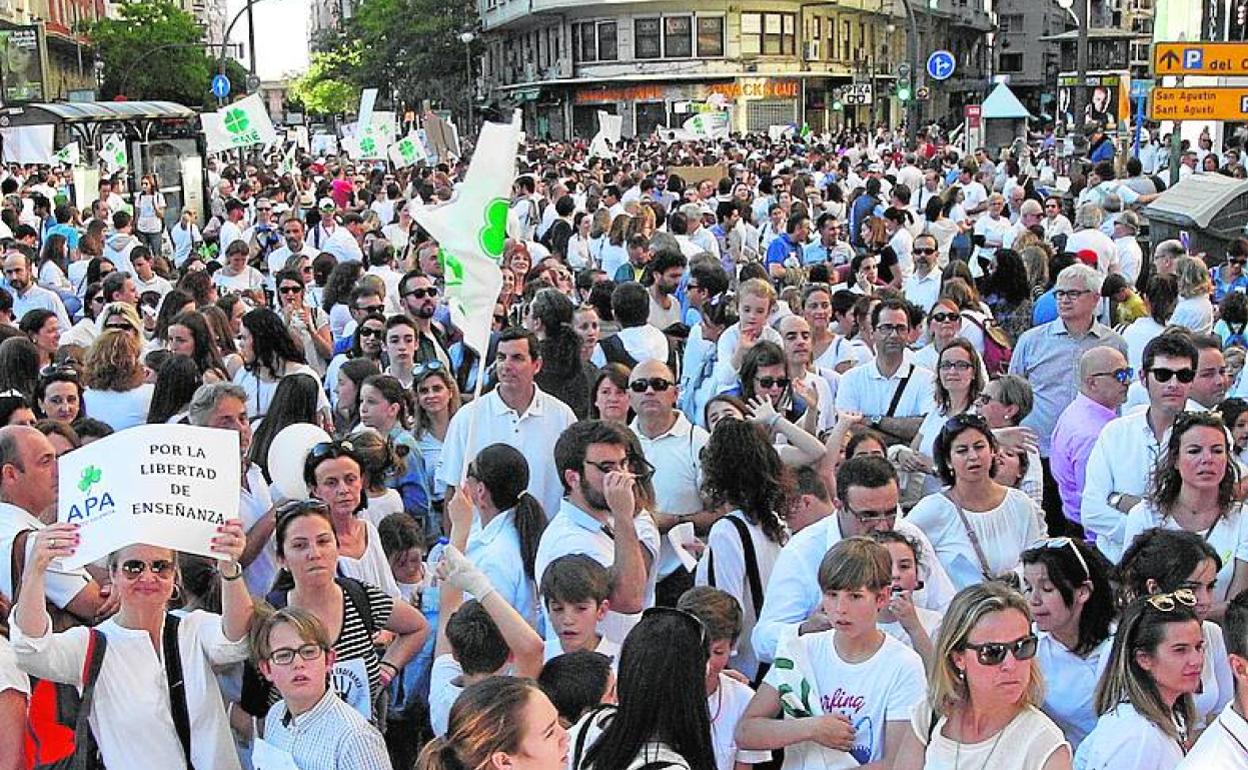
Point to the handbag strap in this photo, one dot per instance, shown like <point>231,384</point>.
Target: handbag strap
<point>970,534</point>
<point>901,388</point>
<point>177,686</point>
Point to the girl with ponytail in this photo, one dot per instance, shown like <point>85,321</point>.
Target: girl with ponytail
<point>512,521</point>
<point>563,375</point>
<point>499,723</point>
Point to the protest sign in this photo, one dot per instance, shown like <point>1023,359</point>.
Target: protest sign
<point>164,485</point>
<point>113,154</point>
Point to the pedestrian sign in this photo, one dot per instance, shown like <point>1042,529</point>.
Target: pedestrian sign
<point>940,65</point>
<point>220,86</point>
<point>1200,58</point>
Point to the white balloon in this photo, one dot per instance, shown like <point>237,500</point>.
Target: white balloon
<point>287,454</point>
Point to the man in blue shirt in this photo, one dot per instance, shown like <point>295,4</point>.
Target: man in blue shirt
<point>797,232</point>
<point>863,207</point>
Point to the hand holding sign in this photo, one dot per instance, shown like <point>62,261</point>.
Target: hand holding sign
<point>56,541</point>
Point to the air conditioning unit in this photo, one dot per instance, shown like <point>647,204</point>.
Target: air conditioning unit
<point>812,50</point>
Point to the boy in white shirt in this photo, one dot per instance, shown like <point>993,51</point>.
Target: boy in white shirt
<point>847,690</point>
<point>726,697</point>
<point>575,589</point>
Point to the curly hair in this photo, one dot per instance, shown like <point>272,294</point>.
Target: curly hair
<point>113,361</point>
<point>1166,482</point>
<point>742,469</point>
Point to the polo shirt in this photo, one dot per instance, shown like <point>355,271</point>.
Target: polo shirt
<point>495,549</point>
<point>865,390</point>
<point>675,455</point>
<point>923,291</point>
<point>1223,746</point>
<point>533,432</point>
<point>38,298</point>
<point>781,248</point>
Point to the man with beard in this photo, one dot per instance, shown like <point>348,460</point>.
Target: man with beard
<point>518,413</point>
<point>922,287</point>
<point>295,235</point>
<point>807,381</point>
<point>28,295</point>
<point>667,269</point>
<point>419,296</point>
<point>599,517</point>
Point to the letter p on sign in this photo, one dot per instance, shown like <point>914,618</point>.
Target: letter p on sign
<point>1193,58</point>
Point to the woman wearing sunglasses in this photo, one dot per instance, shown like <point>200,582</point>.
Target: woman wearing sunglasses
<point>309,325</point>
<point>367,343</point>
<point>1144,698</point>
<point>1194,491</point>
<point>765,375</point>
<point>131,718</point>
<point>742,473</point>
<point>662,719</point>
<point>984,689</point>
<point>1166,561</point>
<point>978,527</point>
<point>1066,582</point>
<point>959,381</point>
<point>437,400</point>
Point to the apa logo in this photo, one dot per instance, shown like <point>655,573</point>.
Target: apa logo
<point>91,476</point>
<point>90,506</point>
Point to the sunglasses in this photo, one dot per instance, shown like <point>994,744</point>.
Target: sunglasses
<point>284,656</point>
<point>966,420</point>
<point>1238,261</point>
<point>330,449</point>
<point>367,332</point>
<point>432,365</point>
<point>923,251</point>
<point>945,318</point>
<point>291,289</point>
<point>993,653</point>
<point>59,370</point>
<point>1124,375</point>
<point>1065,542</point>
<point>659,384</point>
<point>369,308</point>
<point>1167,602</point>
<point>432,291</point>
<point>135,567</point>
<point>773,382</point>
<point>1162,374</point>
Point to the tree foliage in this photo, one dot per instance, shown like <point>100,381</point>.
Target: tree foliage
<point>153,50</point>
<point>326,88</point>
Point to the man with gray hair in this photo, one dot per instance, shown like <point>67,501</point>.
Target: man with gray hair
<point>1047,354</point>
<point>1088,235</point>
<point>28,481</point>
<point>223,405</point>
<point>1166,256</point>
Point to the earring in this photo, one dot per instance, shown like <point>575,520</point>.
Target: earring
<point>177,593</point>
<point>961,673</point>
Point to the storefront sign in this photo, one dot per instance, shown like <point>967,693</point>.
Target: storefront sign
<point>716,94</point>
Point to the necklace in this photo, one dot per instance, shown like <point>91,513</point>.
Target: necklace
<point>719,702</point>
<point>957,752</point>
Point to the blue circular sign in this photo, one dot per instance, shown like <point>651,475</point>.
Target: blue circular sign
<point>220,86</point>
<point>940,65</point>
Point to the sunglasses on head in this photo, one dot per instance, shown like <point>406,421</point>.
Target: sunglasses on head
<point>658,383</point>
<point>431,291</point>
<point>993,653</point>
<point>136,567</point>
<point>432,365</point>
<point>59,370</point>
<point>1060,543</point>
<point>692,620</point>
<point>1183,597</point>
<point>330,449</point>
<point>1162,374</point>
<point>774,382</point>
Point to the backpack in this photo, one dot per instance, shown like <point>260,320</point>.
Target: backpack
<point>1236,336</point>
<point>58,736</point>
<point>998,349</point>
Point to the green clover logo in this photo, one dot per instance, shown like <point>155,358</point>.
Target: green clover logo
<point>90,475</point>
<point>493,236</point>
<point>452,268</point>
<point>407,149</point>
<point>236,121</point>
<point>368,145</point>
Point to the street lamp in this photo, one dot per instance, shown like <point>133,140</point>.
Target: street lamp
<point>466,38</point>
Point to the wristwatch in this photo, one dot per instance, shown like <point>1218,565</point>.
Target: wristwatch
<point>1114,499</point>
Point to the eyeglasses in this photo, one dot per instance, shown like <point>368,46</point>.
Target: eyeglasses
<point>872,517</point>
<point>923,251</point>
<point>1167,602</point>
<point>1066,542</point>
<point>1070,294</point>
<point>659,384</point>
<point>1162,374</point>
<point>993,653</point>
<point>133,568</point>
<point>291,289</point>
<point>610,467</point>
<point>960,366</point>
<point>431,291</point>
<point>284,656</point>
<point>887,330</point>
<point>693,620</point>
<point>1124,375</point>
<point>773,382</point>
<point>945,318</point>
<point>366,331</point>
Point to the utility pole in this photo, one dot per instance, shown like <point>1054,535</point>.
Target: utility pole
<point>1078,95</point>
<point>251,37</point>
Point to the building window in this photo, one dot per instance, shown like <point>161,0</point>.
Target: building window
<point>647,39</point>
<point>831,46</point>
<point>677,37</point>
<point>772,34</point>
<point>583,42</point>
<point>607,48</point>
<point>847,41</point>
<point>710,36</point>
<point>1010,22</point>
<point>1011,62</point>
<point>751,34</point>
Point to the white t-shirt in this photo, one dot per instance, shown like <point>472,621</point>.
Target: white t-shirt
<point>381,506</point>
<point>727,705</point>
<point>1124,740</point>
<point>1003,533</point>
<point>248,280</point>
<point>1070,684</point>
<point>881,689</point>
<point>443,692</point>
<point>372,566</point>
<point>607,648</point>
<point>120,409</point>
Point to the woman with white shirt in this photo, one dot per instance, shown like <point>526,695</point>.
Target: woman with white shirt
<point>131,718</point>
<point>1194,490</point>
<point>580,244</point>
<point>1161,561</point>
<point>1144,698</point>
<point>978,527</point>
<point>238,277</point>
<point>509,524</point>
<point>959,380</point>
<point>117,392</point>
<point>1194,309</point>
<point>900,239</point>
<point>1066,582</point>
<point>743,473</point>
<point>185,236</point>
<point>269,353</point>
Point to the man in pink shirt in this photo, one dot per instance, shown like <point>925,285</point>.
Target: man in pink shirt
<point>1103,380</point>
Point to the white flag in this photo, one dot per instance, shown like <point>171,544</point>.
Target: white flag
<point>408,151</point>
<point>287,166</point>
<point>708,125</point>
<point>472,232</point>
<point>609,128</point>
<point>244,123</point>
<point>113,154</point>
<point>69,155</point>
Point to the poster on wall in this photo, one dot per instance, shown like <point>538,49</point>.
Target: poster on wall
<point>1105,99</point>
<point>21,64</point>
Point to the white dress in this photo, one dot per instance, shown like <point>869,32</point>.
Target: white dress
<point>1003,533</point>
<point>1026,743</point>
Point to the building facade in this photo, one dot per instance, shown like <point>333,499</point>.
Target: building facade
<point>325,16</point>
<point>769,62</point>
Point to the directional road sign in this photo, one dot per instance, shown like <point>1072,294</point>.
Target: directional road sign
<point>1200,58</point>
<point>1199,103</point>
<point>940,65</point>
<point>220,86</point>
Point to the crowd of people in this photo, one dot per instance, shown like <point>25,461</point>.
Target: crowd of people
<point>826,453</point>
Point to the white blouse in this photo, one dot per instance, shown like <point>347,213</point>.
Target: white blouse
<point>1125,740</point>
<point>1070,684</point>
<point>1229,537</point>
<point>1003,533</point>
<point>131,717</point>
<point>372,567</point>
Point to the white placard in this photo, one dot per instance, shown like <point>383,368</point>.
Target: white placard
<point>680,536</point>
<point>164,485</point>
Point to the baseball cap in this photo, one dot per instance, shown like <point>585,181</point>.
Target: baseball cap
<point>326,204</point>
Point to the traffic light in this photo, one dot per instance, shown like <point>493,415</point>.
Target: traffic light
<point>904,90</point>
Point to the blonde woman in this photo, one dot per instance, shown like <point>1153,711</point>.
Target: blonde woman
<point>1195,308</point>
<point>116,392</point>
<point>614,251</point>
<point>984,691</point>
